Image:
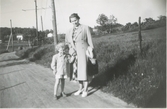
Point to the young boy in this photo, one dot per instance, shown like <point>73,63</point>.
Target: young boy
<point>59,70</point>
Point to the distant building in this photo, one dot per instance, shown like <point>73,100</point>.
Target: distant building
<point>95,30</point>
<point>19,37</point>
<point>49,35</point>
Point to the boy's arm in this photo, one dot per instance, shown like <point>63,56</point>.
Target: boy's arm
<point>53,63</point>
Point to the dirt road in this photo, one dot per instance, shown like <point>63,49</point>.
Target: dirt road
<point>25,84</point>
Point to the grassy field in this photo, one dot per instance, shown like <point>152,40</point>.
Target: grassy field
<point>16,45</point>
<point>135,77</point>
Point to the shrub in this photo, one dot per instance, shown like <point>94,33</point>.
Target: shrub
<point>24,53</point>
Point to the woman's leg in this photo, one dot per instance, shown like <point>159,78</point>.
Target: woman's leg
<point>80,85</point>
<point>80,88</point>
<point>85,92</point>
<point>85,86</point>
<point>56,86</point>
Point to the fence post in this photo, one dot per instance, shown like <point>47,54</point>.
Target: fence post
<point>140,37</point>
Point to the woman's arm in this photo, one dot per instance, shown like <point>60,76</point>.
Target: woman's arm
<point>89,37</point>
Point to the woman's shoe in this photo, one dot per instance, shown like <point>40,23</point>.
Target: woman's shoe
<point>63,94</point>
<point>78,92</point>
<point>84,94</point>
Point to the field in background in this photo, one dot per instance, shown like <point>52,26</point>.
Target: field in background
<point>138,78</point>
<point>17,45</point>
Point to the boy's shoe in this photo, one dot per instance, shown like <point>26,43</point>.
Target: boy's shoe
<point>63,94</point>
<point>56,97</point>
<point>84,94</point>
<point>78,92</point>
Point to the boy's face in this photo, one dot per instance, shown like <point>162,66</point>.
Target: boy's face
<point>60,50</point>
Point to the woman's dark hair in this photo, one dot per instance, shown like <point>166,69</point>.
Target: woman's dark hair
<point>74,15</point>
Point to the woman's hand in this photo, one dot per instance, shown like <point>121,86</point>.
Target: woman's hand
<point>72,59</point>
<point>54,72</point>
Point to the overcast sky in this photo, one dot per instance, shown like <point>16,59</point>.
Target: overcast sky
<point>124,10</point>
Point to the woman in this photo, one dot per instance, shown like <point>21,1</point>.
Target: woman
<point>80,38</point>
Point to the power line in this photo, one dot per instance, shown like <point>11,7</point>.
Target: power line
<point>25,10</point>
<point>10,12</point>
<point>34,9</point>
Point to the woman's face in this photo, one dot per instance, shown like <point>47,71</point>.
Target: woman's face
<point>75,21</point>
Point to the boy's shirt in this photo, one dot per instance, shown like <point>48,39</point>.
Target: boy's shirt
<point>61,61</point>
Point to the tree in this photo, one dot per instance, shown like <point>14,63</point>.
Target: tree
<point>112,20</point>
<point>162,18</point>
<point>110,23</point>
<point>127,27</point>
<point>148,21</point>
<point>102,19</point>
<point>106,24</point>
<point>4,33</point>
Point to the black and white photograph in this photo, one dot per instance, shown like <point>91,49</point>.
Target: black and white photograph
<point>83,53</point>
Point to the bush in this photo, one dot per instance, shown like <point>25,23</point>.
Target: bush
<point>48,40</point>
<point>3,51</point>
<point>25,53</point>
<point>3,48</point>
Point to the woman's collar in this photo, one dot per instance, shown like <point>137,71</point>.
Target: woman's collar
<point>77,26</point>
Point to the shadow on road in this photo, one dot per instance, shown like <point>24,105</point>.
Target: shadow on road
<point>93,90</point>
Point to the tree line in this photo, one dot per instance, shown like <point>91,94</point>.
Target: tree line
<point>110,25</point>
<point>106,25</point>
<point>29,34</point>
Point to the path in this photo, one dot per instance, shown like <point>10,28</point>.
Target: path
<point>25,84</point>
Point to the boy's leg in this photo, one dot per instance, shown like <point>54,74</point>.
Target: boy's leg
<point>62,88</point>
<point>80,85</point>
<point>62,85</point>
<point>57,81</point>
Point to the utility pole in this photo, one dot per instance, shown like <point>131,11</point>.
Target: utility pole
<point>11,35</point>
<point>54,23</point>
<point>42,23</point>
<point>42,37</point>
<point>36,22</point>
<point>140,37</point>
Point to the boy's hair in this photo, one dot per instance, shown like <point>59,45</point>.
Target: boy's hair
<point>61,45</point>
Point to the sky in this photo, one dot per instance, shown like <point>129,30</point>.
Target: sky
<point>124,10</point>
